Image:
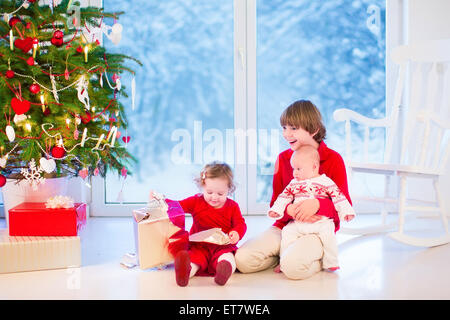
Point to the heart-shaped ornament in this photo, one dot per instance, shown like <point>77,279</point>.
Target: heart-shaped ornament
<point>126,139</point>
<point>83,173</point>
<point>24,44</point>
<point>10,133</point>
<point>20,106</point>
<point>48,165</point>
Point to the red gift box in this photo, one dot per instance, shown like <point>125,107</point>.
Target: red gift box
<point>34,219</point>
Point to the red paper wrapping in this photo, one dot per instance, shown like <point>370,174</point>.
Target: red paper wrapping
<point>180,239</point>
<point>34,219</point>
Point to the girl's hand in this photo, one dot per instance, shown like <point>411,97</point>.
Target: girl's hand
<point>349,218</point>
<point>234,237</point>
<point>273,214</point>
<point>307,210</point>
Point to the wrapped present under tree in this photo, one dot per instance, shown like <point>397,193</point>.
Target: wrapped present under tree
<point>36,219</point>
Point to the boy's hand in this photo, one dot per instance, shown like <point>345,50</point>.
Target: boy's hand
<point>349,217</point>
<point>293,209</point>
<point>234,237</point>
<point>305,211</point>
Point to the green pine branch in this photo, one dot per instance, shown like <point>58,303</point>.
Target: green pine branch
<point>63,116</point>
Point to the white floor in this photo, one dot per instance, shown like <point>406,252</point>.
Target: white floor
<point>372,267</point>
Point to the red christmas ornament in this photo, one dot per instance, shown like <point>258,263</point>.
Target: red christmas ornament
<point>30,61</point>
<point>47,111</point>
<point>13,21</point>
<point>2,180</point>
<point>57,42</point>
<point>58,34</point>
<point>80,49</point>
<point>57,39</point>
<point>10,74</point>
<point>35,88</point>
<point>58,152</point>
<point>24,44</point>
<point>32,1</point>
<point>20,106</point>
<point>126,139</point>
<point>86,118</point>
<point>35,41</point>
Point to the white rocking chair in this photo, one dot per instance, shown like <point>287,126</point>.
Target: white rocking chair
<point>424,138</point>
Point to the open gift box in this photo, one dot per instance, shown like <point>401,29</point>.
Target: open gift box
<point>159,233</point>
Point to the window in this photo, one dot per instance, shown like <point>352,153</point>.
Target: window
<point>217,75</point>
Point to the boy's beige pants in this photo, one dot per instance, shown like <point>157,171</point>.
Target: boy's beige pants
<point>300,260</point>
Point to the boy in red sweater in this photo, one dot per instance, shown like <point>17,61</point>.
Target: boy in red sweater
<point>302,125</point>
<point>211,209</point>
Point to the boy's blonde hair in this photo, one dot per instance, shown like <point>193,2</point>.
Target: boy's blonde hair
<point>304,114</point>
<point>217,169</point>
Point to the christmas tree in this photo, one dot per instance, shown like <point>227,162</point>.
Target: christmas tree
<point>59,92</point>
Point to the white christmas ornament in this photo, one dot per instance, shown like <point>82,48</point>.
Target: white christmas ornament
<point>48,165</point>
<point>116,32</point>
<point>10,133</point>
<point>33,175</point>
<point>82,88</point>
<point>53,82</point>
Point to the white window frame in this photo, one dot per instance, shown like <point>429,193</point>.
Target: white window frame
<point>245,106</point>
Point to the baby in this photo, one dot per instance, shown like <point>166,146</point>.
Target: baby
<point>307,184</point>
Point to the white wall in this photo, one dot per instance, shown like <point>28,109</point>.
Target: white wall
<point>428,20</point>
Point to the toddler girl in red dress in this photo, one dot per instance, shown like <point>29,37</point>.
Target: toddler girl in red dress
<point>211,209</point>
